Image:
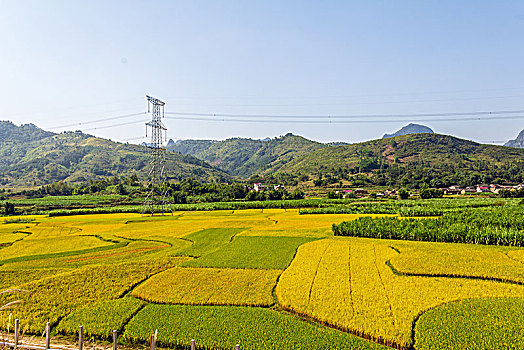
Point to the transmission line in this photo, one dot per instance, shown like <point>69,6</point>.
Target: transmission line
<point>353,116</point>
<point>100,120</point>
<point>338,121</point>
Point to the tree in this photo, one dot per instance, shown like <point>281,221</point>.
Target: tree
<point>179,197</point>
<point>9,208</point>
<point>403,194</point>
<point>334,195</point>
<point>427,193</point>
<point>120,189</point>
<point>297,194</point>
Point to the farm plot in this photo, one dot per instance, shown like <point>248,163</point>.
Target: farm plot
<point>346,283</point>
<point>209,240</point>
<point>56,296</point>
<point>50,240</point>
<point>251,253</point>
<point>469,325</point>
<point>7,237</point>
<point>221,327</point>
<point>101,318</point>
<point>490,226</point>
<point>437,259</point>
<point>197,286</point>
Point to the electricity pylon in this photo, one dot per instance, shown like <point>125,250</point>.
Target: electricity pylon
<point>157,199</point>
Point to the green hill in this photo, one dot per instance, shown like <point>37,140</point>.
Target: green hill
<point>412,160</point>
<point>245,157</point>
<point>29,155</point>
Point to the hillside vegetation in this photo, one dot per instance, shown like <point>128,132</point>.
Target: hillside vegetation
<point>413,160</point>
<point>246,157</point>
<point>31,156</point>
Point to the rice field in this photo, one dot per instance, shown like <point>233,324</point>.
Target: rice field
<point>265,278</point>
<point>210,286</point>
<point>347,283</point>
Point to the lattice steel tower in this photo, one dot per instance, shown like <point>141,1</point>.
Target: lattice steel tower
<point>157,199</point>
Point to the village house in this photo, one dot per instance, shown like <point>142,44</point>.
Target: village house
<point>259,187</point>
<point>452,190</point>
<point>482,189</point>
<point>469,190</point>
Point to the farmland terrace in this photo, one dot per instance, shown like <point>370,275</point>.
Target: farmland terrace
<point>272,278</point>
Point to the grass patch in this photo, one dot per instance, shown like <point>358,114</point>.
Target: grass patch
<point>209,240</point>
<point>221,327</point>
<point>101,318</point>
<point>476,324</point>
<point>252,253</point>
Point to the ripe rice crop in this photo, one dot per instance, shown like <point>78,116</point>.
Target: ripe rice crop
<point>346,283</point>
<point>221,327</point>
<point>16,277</point>
<point>9,237</point>
<point>198,286</point>
<point>55,297</point>
<point>437,259</point>
<point>101,318</point>
<point>475,324</point>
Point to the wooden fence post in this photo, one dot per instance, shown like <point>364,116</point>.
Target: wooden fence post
<point>153,341</point>
<point>193,344</point>
<point>47,335</point>
<point>115,336</point>
<point>17,331</point>
<point>80,337</point>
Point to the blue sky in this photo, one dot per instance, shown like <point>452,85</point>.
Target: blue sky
<point>70,62</point>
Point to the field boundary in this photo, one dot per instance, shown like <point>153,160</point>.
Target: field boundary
<point>447,275</point>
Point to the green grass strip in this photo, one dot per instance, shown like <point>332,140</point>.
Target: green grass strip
<point>221,327</point>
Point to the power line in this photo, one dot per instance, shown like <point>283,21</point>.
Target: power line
<point>114,125</point>
<point>100,120</point>
<point>354,116</point>
<point>330,121</point>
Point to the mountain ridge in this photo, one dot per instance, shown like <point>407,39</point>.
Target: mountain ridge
<point>518,142</point>
<point>408,159</point>
<point>244,157</point>
<point>31,156</point>
<point>411,128</point>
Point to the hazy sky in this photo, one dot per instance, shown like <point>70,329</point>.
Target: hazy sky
<point>69,62</point>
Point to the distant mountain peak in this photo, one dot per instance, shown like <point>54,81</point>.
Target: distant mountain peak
<point>411,128</point>
<point>170,143</point>
<point>518,142</point>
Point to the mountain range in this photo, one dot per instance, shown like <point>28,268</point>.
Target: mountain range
<point>31,156</point>
<point>244,157</point>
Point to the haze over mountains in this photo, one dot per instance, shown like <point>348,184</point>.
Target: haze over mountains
<point>31,156</point>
